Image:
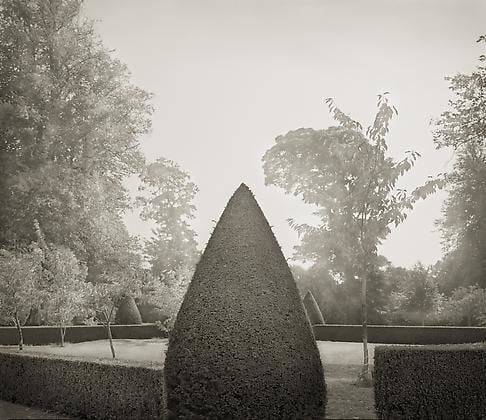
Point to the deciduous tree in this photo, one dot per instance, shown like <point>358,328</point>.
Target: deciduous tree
<point>463,224</point>
<point>167,195</point>
<point>346,173</point>
<point>20,274</point>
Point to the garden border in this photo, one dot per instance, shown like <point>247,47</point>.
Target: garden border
<point>41,335</point>
<point>391,334</point>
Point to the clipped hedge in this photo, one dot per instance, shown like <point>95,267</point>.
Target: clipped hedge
<point>100,389</point>
<point>312,310</point>
<point>433,382</point>
<point>241,346</point>
<point>388,334</point>
<point>128,313</point>
<point>77,333</point>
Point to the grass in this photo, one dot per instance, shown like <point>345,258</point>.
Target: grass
<point>341,364</point>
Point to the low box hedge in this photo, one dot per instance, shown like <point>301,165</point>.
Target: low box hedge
<point>41,335</point>
<point>398,334</point>
<point>433,382</point>
<point>99,389</point>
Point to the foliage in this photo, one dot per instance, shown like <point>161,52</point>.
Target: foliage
<point>166,293</point>
<point>64,288</point>
<point>127,312</point>
<point>345,172</point>
<point>70,120</point>
<point>430,382</point>
<point>167,200</point>
<point>105,296</point>
<point>241,331</point>
<point>463,224</point>
<point>416,300</point>
<point>466,306</point>
<point>94,389</point>
<point>20,274</point>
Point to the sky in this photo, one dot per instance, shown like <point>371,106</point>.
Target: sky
<point>229,76</point>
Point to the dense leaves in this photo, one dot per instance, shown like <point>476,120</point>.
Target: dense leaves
<point>20,279</point>
<point>241,346</point>
<point>94,389</point>
<point>127,312</point>
<point>70,121</point>
<point>167,201</point>
<point>433,382</point>
<point>463,225</point>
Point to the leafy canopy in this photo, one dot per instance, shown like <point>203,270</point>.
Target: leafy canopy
<point>345,171</point>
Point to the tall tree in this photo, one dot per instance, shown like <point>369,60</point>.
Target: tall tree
<point>70,121</point>
<point>167,198</point>
<point>346,173</point>
<point>463,224</point>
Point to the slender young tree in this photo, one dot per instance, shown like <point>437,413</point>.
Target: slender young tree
<point>20,274</point>
<point>65,288</point>
<point>346,173</point>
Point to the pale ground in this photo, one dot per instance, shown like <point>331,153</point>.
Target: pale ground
<point>341,364</point>
<point>153,350</point>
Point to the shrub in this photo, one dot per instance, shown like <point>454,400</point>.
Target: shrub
<point>151,313</point>
<point>312,310</point>
<point>435,382</point>
<point>241,346</point>
<point>88,389</point>
<point>128,313</point>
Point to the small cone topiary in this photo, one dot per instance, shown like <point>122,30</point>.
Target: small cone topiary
<point>128,313</point>
<point>311,307</point>
<point>241,346</point>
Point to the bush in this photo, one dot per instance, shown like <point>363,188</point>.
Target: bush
<point>151,313</point>
<point>241,346</point>
<point>88,389</point>
<point>312,310</point>
<point>435,382</point>
<point>128,313</point>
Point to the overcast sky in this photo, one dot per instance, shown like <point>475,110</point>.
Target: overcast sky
<point>230,76</point>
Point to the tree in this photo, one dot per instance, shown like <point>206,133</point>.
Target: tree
<point>347,174</point>
<point>168,202</point>
<point>241,346</point>
<point>105,296</point>
<point>166,294</point>
<point>70,121</point>
<point>463,224</point>
<point>416,300</point>
<point>20,273</point>
<point>466,306</point>
<point>65,288</point>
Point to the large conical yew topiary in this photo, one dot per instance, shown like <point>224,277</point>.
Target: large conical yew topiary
<point>127,312</point>
<point>312,309</point>
<point>241,347</point>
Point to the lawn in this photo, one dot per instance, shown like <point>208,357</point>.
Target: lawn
<point>341,363</point>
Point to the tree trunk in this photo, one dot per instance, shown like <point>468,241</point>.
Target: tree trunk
<point>364,378</point>
<point>63,333</point>
<point>19,330</point>
<point>108,328</point>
